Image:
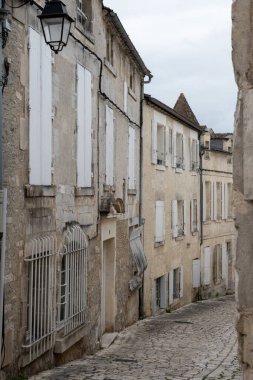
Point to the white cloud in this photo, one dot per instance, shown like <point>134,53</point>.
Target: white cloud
<point>187,46</point>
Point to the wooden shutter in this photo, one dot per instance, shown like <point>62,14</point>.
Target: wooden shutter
<point>174,218</point>
<point>196,273</point>
<point>207,265</point>
<point>131,158</point>
<point>185,215</point>
<point>224,263</point>
<point>167,146</point>
<point>174,161</point>
<point>40,107</point>
<point>204,201</point>
<point>171,287</point>
<point>154,142</point>
<point>215,200</point>
<point>181,282</point>
<point>109,147</point>
<point>190,150</point>
<point>159,221</point>
<point>197,154</point>
<point>84,120</point>
<point>223,198</point>
<point>125,96</point>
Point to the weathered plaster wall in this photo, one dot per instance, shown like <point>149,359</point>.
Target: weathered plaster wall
<point>242,37</point>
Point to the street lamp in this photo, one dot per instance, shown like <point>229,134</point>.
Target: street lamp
<point>55,23</point>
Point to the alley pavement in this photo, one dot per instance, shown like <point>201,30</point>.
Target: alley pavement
<point>195,342</point>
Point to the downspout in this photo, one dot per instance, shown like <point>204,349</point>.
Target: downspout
<point>201,153</point>
<point>141,291</point>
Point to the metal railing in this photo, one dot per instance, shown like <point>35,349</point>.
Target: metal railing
<point>40,334</point>
<point>73,284</point>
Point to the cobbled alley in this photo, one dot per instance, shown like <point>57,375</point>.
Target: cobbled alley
<point>195,342</point>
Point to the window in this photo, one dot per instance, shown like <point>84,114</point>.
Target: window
<point>109,48</point>
<point>73,286</point>
<point>84,14</point>
<point>131,159</point>
<point>40,110</point>
<point>217,264</point>
<point>207,201</point>
<point>160,300</point>
<point>178,283</point>
<point>159,222</point>
<point>84,121</point>
<point>194,215</point>
<point>207,266</point>
<point>230,200</point>
<point>160,144</point>
<point>178,218</point>
<point>109,147</point>
<point>194,154</point>
<point>158,292</point>
<point>132,79</point>
<point>40,334</point>
<point>219,200</point>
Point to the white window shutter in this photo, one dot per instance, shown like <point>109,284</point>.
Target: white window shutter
<point>84,120</point>
<point>159,221</point>
<point>181,289</point>
<point>34,109</point>
<point>226,200</point>
<point>223,199</point>
<point>190,150</point>
<point>40,116</point>
<point>212,200</point>
<point>125,96</point>
<point>215,200</point>
<point>167,146</point>
<point>224,263</point>
<point>171,285</point>
<point>154,142</point>
<point>185,216</point>
<point>174,216</point>
<point>197,153</point>
<point>46,112</point>
<point>131,158</point>
<point>174,161</point>
<point>184,152</point>
<point>204,201</point>
<point>109,147</point>
<point>196,273</point>
<point>192,214</point>
<point>207,265</point>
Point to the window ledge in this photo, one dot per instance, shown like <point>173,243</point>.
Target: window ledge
<point>131,191</point>
<point>62,344</point>
<point>109,188</point>
<point>194,173</point>
<point>39,191</point>
<point>132,94</point>
<point>110,67</point>
<point>194,233</point>
<point>160,167</point>
<point>86,33</point>
<point>84,191</point>
<point>179,170</point>
<point>159,243</point>
<point>178,238</point>
<point>207,222</point>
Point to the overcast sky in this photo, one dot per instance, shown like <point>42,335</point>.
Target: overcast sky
<point>186,44</point>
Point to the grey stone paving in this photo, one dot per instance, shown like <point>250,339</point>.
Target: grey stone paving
<point>196,342</point>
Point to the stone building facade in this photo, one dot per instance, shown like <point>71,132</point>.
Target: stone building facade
<point>242,35</point>
<point>218,233</point>
<point>171,205</point>
<point>72,127</point>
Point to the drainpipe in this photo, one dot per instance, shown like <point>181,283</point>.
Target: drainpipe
<point>141,291</point>
<point>201,153</point>
<point>3,192</point>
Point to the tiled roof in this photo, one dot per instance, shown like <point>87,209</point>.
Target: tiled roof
<point>182,107</point>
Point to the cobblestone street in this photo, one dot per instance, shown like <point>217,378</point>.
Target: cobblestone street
<point>196,342</point>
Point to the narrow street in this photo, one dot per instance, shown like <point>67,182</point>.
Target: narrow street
<point>196,342</point>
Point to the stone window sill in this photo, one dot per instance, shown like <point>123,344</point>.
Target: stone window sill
<point>178,238</point>
<point>39,191</point>
<point>63,344</point>
<point>109,188</point>
<point>160,167</point>
<point>179,170</point>
<point>159,244</point>
<point>84,191</point>
<point>89,35</point>
<point>131,191</point>
<point>110,67</point>
<point>194,233</point>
